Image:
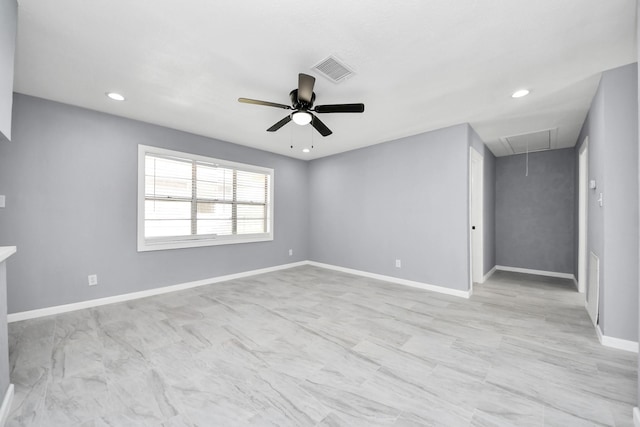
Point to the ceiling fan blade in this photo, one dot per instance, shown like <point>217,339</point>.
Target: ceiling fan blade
<point>279,124</point>
<point>305,87</point>
<point>265,103</point>
<point>320,127</point>
<point>339,108</point>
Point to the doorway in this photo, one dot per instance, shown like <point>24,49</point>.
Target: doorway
<point>476,228</point>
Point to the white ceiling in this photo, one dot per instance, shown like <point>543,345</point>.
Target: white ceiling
<point>420,65</point>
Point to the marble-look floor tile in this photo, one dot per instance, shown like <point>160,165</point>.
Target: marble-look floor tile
<point>331,420</point>
<point>283,402</point>
<point>144,397</point>
<point>312,347</point>
<point>354,408</point>
<point>414,399</point>
<point>345,368</point>
<point>28,408</point>
<point>497,407</point>
<point>75,400</point>
<point>210,409</point>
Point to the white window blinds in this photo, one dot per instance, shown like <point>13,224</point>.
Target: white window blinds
<point>194,201</point>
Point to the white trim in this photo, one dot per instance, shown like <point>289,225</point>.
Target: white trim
<point>425,286</point>
<point>576,284</point>
<point>616,343</point>
<point>583,214</point>
<point>6,405</point>
<point>58,309</point>
<point>48,311</point>
<point>196,242</point>
<point>599,333</point>
<point>489,274</point>
<point>636,416</point>
<point>620,344</point>
<point>538,272</point>
<point>592,294</point>
<point>6,252</point>
<point>478,159</point>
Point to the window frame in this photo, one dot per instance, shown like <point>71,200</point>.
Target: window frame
<point>191,241</point>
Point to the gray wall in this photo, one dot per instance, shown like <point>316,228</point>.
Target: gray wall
<point>406,199</point>
<point>535,213</point>
<point>8,22</point>
<point>621,200</point>
<point>489,205</point>
<point>612,129</point>
<point>70,177</point>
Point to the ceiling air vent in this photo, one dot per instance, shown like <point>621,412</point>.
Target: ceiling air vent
<point>333,69</point>
<point>534,141</point>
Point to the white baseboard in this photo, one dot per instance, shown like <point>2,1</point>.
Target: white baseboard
<point>636,416</point>
<point>537,272</point>
<point>425,286</point>
<point>489,274</point>
<point>575,283</point>
<point>6,405</point>
<point>48,311</point>
<point>607,341</point>
<point>616,343</point>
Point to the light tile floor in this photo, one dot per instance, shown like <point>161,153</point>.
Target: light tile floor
<point>312,347</point>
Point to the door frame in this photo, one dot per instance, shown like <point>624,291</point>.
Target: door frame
<point>583,215</point>
<point>476,217</point>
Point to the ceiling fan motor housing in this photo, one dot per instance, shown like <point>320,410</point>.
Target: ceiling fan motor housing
<point>299,104</point>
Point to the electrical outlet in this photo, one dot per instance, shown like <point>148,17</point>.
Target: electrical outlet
<point>290,252</point>
<point>93,279</point>
<point>398,263</point>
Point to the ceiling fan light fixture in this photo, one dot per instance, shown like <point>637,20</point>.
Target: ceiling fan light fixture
<point>301,117</point>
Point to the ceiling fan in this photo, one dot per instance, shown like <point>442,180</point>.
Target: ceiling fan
<point>302,105</point>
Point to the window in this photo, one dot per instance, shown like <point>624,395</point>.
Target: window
<point>186,200</point>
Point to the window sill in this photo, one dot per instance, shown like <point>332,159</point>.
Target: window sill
<point>146,246</point>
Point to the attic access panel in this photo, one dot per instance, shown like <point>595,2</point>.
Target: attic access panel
<point>529,142</point>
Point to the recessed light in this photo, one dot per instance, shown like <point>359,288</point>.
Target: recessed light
<point>115,96</point>
<point>305,150</point>
<point>520,93</point>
